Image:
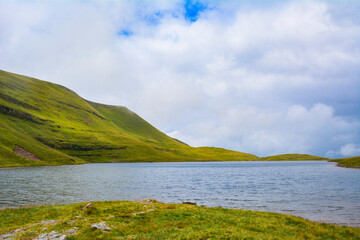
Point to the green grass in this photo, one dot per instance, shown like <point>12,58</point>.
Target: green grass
<point>60,127</point>
<point>353,162</point>
<point>165,221</point>
<point>292,157</point>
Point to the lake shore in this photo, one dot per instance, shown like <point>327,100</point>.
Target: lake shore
<point>346,162</point>
<point>150,219</point>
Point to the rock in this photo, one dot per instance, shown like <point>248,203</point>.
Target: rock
<point>187,202</point>
<point>53,235</point>
<point>136,213</point>
<point>101,226</point>
<point>150,210</point>
<point>71,222</point>
<point>8,235</point>
<point>72,231</point>
<point>146,201</point>
<point>87,206</point>
<point>52,222</point>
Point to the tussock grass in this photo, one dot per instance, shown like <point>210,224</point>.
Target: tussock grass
<point>155,220</point>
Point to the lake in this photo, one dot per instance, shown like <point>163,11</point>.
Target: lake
<point>315,190</point>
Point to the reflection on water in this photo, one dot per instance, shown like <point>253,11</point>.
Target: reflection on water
<point>315,190</point>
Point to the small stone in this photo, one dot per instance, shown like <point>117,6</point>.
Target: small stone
<point>62,237</point>
<point>87,206</point>
<point>71,222</point>
<point>100,226</point>
<point>43,236</point>
<point>52,222</point>
<point>43,229</point>
<point>136,213</point>
<point>72,231</point>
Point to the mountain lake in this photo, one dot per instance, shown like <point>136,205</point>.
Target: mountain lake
<point>315,190</point>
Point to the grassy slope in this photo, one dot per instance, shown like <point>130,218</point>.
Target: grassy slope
<point>353,162</point>
<point>165,221</point>
<point>60,127</point>
<point>292,157</point>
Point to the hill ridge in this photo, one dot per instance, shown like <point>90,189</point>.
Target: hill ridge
<point>60,127</point>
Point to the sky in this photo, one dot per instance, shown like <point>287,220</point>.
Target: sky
<point>263,77</point>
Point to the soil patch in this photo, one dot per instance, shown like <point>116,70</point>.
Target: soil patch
<point>24,153</point>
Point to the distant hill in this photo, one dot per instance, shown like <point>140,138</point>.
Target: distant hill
<point>292,157</point>
<point>353,162</point>
<point>42,123</point>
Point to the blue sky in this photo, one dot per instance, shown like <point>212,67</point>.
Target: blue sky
<point>265,77</point>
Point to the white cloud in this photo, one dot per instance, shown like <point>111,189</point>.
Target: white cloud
<point>278,78</point>
<point>350,149</point>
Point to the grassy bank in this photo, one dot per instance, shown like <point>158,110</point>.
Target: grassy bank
<point>351,162</point>
<point>150,219</point>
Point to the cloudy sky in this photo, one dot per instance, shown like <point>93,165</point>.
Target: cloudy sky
<point>265,77</point>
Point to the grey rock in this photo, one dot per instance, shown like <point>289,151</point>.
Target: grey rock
<point>71,222</point>
<point>101,226</point>
<point>53,235</point>
<point>72,231</point>
<point>150,210</point>
<point>8,235</point>
<point>52,222</point>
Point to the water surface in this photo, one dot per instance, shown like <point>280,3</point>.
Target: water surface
<point>316,190</point>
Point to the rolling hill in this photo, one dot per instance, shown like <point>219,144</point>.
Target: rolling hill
<point>352,162</point>
<point>292,157</point>
<point>43,123</point>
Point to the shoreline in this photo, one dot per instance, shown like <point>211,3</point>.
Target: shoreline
<point>328,160</point>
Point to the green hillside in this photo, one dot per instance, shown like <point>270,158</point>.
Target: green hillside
<point>292,157</point>
<point>42,123</point>
<point>353,162</point>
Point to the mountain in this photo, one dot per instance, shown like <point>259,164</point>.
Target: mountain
<point>42,123</point>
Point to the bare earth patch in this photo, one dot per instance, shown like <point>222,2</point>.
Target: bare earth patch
<point>24,153</point>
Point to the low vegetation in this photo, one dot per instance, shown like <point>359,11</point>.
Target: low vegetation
<point>353,162</point>
<point>293,157</point>
<point>149,219</point>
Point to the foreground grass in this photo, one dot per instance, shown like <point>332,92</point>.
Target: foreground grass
<point>149,219</point>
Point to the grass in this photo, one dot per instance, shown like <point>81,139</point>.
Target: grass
<point>60,127</point>
<point>149,219</point>
<point>353,162</point>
